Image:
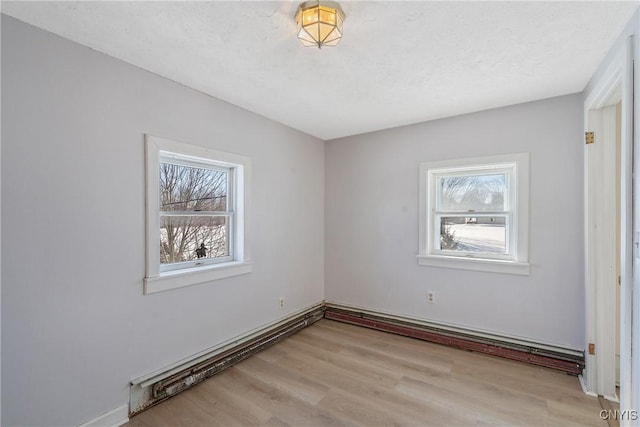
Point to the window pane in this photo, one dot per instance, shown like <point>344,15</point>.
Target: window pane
<point>472,192</point>
<point>188,188</point>
<point>186,238</point>
<point>474,234</point>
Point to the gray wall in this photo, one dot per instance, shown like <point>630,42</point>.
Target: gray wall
<point>75,325</point>
<point>371,223</point>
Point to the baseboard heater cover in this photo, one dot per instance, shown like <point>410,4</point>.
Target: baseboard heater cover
<point>150,392</point>
<point>571,362</point>
<point>159,386</point>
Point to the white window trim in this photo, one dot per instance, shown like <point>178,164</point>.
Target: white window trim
<point>157,281</point>
<point>519,264</point>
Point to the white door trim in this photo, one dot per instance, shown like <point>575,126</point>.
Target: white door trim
<point>600,229</point>
<point>631,398</point>
<point>599,373</point>
<point>627,201</point>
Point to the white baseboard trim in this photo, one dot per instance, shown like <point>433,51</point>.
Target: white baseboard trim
<point>613,399</point>
<point>584,387</point>
<point>114,418</point>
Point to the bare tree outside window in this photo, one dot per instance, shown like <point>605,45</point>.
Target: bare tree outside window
<point>194,221</point>
<point>473,193</point>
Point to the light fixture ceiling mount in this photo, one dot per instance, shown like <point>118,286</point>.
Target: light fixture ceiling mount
<point>319,23</point>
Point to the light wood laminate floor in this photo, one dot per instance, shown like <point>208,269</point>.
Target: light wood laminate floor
<point>334,374</point>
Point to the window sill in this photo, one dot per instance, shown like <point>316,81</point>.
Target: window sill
<point>193,276</point>
<point>490,265</point>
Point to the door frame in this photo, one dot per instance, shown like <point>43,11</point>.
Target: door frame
<point>599,300</point>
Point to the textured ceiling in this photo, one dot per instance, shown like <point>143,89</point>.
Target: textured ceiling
<point>398,63</point>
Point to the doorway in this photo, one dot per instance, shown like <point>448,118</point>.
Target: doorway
<point>603,169</point>
<point>608,231</point>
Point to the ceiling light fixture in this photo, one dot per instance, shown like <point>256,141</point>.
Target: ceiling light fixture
<point>319,23</point>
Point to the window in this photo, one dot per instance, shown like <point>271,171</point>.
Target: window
<point>197,210</point>
<point>474,214</point>
<point>196,222</point>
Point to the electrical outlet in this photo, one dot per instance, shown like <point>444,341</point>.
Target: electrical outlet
<point>281,302</point>
<point>431,297</point>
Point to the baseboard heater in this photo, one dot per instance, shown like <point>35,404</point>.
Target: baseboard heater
<point>156,387</point>
<point>567,360</point>
<point>159,386</point>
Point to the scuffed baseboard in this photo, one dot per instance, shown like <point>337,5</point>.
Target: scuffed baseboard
<point>154,388</point>
<point>160,385</point>
<point>567,360</point>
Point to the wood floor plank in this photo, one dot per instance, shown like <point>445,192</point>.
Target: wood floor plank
<point>282,405</point>
<point>272,354</point>
<point>235,406</point>
<point>511,376</point>
<point>381,376</point>
<point>137,422</point>
<point>359,410</point>
<point>350,383</point>
<point>285,380</point>
<point>398,353</point>
<point>575,411</point>
<point>485,408</point>
<point>336,374</point>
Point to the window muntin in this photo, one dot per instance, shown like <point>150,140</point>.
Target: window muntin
<point>196,213</point>
<point>474,214</point>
